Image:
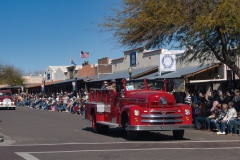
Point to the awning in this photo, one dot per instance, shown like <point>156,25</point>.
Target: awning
<point>185,72</point>
<point>124,74</point>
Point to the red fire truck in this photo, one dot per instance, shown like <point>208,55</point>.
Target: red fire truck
<point>138,105</point>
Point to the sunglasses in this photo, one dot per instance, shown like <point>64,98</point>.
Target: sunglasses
<point>105,83</point>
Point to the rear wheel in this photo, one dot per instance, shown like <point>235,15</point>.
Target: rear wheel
<point>97,128</point>
<point>178,134</point>
<point>94,124</point>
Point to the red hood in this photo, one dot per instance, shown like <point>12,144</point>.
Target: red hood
<point>151,95</point>
<point>4,97</point>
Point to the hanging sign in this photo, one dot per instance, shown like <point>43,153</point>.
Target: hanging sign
<point>167,62</point>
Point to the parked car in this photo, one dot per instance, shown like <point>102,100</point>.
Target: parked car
<point>6,100</point>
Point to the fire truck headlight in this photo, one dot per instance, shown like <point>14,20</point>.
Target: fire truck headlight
<point>136,112</point>
<point>187,112</point>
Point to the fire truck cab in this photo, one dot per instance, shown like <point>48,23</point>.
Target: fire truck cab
<point>138,105</point>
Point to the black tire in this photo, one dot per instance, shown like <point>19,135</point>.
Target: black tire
<point>95,126</point>
<point>178,134</point>
<point>98,128</point>
<point>124,120</point>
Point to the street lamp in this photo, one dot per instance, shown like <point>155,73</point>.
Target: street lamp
<point>75,81</point>
<point>43,85</point>
<point>130,72</point>
<point>22,88</point>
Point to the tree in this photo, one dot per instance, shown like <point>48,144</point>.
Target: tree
<point>10,75</point>
<point>206,28</point>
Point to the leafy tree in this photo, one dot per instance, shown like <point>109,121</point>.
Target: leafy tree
<point>206,28</point>
<point>10,75</point>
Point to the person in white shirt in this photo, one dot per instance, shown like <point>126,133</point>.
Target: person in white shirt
<point>188,99</point>
<point>229,119</point>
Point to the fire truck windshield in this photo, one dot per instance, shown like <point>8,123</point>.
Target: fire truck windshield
<point>141,84</point>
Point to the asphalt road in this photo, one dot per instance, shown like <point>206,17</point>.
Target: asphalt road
<point>33,134</point>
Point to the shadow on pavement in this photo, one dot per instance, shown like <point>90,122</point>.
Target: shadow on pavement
<point>142,135</point>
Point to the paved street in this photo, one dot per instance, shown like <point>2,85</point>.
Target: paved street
<point>36,134</point>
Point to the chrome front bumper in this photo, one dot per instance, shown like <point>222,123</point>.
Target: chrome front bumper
<point>7,106</point>
<point>159,127</point>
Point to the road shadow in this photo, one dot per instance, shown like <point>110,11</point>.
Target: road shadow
<point>142,135</point>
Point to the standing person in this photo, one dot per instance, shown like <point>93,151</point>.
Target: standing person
<point>227,98</point>
<point>200,119</point>
<point>113,85</point>
<point>65,99</point>
<point>215,96</point>
<point>188,98</point>
<point>236,100</point>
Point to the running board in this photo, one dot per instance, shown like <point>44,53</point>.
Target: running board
<point>108,123</point>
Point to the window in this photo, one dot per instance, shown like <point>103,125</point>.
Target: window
<point>48,76</point>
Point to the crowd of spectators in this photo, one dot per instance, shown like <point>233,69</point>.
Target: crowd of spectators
<point>219,112</point>
<point>61,102</point>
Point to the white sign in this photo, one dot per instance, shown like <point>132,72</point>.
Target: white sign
<point>167,62</point>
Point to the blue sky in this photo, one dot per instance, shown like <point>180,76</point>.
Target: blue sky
<point>37,33</point>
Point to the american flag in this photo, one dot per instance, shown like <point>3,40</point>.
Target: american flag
<point>84,54</point>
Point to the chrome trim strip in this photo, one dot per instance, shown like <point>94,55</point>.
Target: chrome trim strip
<point>108,123</point>
<point>160,127</point>
<point>158,111</point>
<point>161,116</point>
<point>159,121</point>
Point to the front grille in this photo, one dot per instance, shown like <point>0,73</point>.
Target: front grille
<point>157,104</point>
<point>162,117</point>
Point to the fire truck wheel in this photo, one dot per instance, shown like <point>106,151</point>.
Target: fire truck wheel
<point>132,135</point>
<point>97,128</point>
<point>178,134</point>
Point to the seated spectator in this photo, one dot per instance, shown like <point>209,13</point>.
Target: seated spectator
<point>61,106</point>
<point>213,114</point>
<point>229,119</point>
<point>53,104</point>
<point>74,103</point>
<point>237,123</point>
<point>45,105</point>
<point>69,104</point>
<point>222,113</point>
